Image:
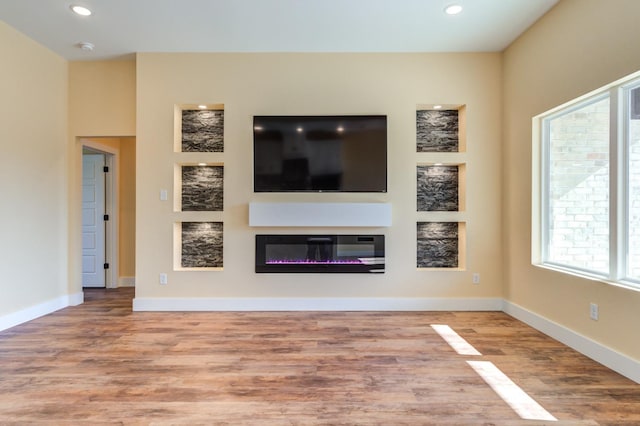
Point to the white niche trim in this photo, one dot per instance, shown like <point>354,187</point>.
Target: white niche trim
<point>320,214</point>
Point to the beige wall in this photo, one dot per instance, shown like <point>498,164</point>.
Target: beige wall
<point>102,103</point>
<point>253,84</point>
<point>33,180</point>
<point>102,98</point>
<point>579,46</point>
<point>127,208</point>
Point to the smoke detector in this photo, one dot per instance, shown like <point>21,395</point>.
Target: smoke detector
<point>86,46</point>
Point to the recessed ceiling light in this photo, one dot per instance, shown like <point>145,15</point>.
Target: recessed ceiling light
<point>80,10</point>
<point>453,9</point>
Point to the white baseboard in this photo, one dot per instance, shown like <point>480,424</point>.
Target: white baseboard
<point>33,312</point>
<point>315,304</point>
<point>76,299</point>
<point>127,282</point>
<point>616,361</point>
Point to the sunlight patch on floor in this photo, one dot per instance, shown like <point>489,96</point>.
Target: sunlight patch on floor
<point>461,346</point>
<point>526,407</point>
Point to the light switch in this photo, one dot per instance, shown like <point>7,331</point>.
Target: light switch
<point>163,195</point>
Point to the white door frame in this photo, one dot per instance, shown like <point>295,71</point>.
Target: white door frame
<point>111,159</point>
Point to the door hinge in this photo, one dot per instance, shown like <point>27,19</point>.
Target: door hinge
<point>105,217</point>
<point>105,169</point>
<point>106,266</point>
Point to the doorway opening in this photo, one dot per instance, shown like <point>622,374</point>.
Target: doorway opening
<point>108,212</point>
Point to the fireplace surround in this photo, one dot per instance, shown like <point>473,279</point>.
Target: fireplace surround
<point>319,253</point>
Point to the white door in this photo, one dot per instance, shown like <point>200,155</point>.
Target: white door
<point>93,244</point>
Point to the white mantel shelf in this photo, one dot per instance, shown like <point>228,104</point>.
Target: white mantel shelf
<point>320,214</point>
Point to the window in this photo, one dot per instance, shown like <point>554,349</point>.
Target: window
<point>632,180</point>
<point>589,196</point>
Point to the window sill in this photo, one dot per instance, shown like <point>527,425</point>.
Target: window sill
<point>592,277</point>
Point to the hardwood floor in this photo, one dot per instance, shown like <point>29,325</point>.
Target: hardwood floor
<point>101,363</point>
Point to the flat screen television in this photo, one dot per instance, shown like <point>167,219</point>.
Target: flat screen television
<point>320,153</point>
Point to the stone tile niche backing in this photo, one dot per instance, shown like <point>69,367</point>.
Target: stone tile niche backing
<point>437,188</point>
<point>202,188</point>
<point>438,245</point>
<point>437,131</point>
<point>201,245</point>
<point>202,130</point>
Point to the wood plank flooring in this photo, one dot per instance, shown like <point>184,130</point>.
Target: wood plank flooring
<point>101,363</point>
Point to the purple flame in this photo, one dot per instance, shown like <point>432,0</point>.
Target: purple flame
<point>313,262</point>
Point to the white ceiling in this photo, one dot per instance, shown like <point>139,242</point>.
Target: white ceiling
<point>122,27</point>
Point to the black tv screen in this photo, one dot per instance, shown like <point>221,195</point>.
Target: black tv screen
<point>320,153</point>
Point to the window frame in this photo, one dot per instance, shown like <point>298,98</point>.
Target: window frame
<point>619,93</point>
<point>625,183</point>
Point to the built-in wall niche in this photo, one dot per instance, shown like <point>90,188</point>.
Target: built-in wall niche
<point>440,187</point>
<point>199,128</point>
<point>440,245</point>
<point>198,246</point>
<point>199,187</point>
<point>440,129</point>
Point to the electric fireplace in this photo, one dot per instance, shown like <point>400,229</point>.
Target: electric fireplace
<point>319,253</point>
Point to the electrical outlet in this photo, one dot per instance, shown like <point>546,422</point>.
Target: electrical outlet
<point>593,311</point>
<point>163,279</point>
<point>475,278</point>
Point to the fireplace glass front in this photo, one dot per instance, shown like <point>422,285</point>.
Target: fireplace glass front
<point>319,253</point>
